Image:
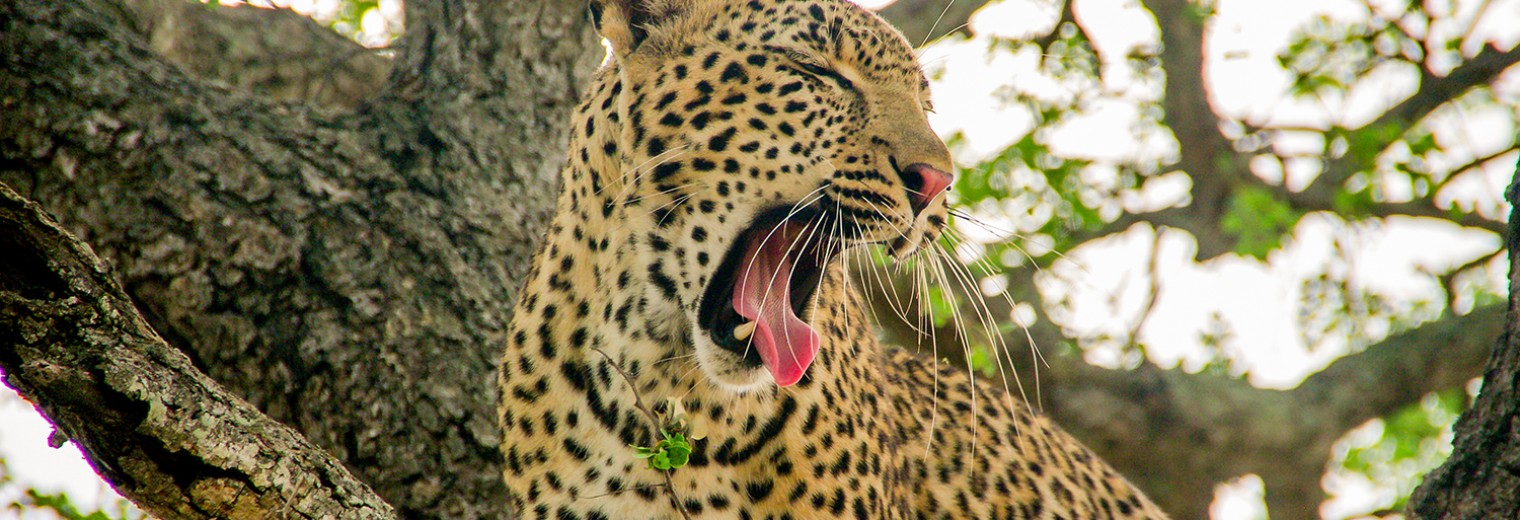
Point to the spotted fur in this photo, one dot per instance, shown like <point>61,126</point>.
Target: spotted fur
<point>708,114</point>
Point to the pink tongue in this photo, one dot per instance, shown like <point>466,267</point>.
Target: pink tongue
<point>763,294</point>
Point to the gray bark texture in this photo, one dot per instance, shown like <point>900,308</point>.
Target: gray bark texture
<point>336,237</point>
<point>1482,477</point>
<point>348,272</point>
<point>163,433</point>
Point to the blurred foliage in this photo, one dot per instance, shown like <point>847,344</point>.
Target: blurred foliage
<point>1038,203</point>
<point>28,502</point>
<point>345,17</point>
<point>59,504</point>
<point>1258,220</point>
<point>349,21</point>
<point>1029,204</point>
<point>1328,57</point>
<point>1410,443</point>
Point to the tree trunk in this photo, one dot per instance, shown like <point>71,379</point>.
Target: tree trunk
<point>161,432</point>
<point>1482,477</point>
<point>350,273</point>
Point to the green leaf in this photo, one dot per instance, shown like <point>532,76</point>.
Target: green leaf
<point>1354,203</point>
<point>61,505</point>
<point>1258,220</point>
<point>981,360</point>
<point>660,461</point>
<point>678,456</point>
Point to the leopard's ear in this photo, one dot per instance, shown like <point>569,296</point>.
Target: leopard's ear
<point>628,23</point>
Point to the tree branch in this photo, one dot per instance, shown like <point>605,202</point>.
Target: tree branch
<point>1433,92</point>
<point>311,259</point>
<point>161,432</point>
<point>1402,368</point>
<point>929,20</point>
<point>1206,154</point>
<point>273,53</point>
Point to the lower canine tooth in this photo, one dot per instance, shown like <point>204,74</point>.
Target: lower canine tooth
<point>743,331</point>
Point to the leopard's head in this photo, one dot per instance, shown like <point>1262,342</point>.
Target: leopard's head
<point>756,141</point>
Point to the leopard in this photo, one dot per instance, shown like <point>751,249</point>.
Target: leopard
<point>725,157</point>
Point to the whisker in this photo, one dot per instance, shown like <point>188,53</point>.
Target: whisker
<point>935,25</point>
<point>638,171</point>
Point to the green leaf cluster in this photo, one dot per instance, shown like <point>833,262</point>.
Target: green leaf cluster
<point>60,504</point>
<point>1258,221</point>
<point>64,508</point>
<point>1327,56</point>
<point>1414,441</point>
<point>983,360</point>
<point>987,184</point>
<point>673,451</point>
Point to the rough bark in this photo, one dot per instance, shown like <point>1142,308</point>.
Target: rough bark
<point>161,432</point>
<point>1482,477</point>
<point>348,272</point>
<point>275,54</point>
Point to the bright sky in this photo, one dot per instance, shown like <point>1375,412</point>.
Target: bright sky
<point>1259,301</point>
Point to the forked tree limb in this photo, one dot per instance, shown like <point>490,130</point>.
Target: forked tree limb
<point>161,432</point>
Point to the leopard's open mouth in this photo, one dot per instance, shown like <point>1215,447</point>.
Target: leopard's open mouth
<point>755,304</point>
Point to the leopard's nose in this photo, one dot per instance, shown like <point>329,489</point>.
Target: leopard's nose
<point>924,183</point>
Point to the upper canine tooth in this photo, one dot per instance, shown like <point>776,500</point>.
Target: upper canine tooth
<point>743,331</point>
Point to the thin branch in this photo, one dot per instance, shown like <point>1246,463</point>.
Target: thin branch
<point>1068,16</point>
<point>654,425</point>
<point>1447,279</point>
<point>1152,293</point>
<point>1434,92</point>
<point>1475,163</point>
<point>1316,200</point>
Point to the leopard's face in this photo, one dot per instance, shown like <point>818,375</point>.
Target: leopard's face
<point>761,140</point>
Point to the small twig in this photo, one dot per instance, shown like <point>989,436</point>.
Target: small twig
<point>1152,294</point>
<point>654,423</point>
<point>1472,24</point>
<point>1448,279</point>
<point>1475,163</point>
<point>621,491</point>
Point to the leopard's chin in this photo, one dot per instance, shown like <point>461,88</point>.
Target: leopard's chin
<point>729,371</point>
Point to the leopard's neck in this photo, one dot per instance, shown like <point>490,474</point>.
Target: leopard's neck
<point>576,326</point>
<point>590,313</point>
